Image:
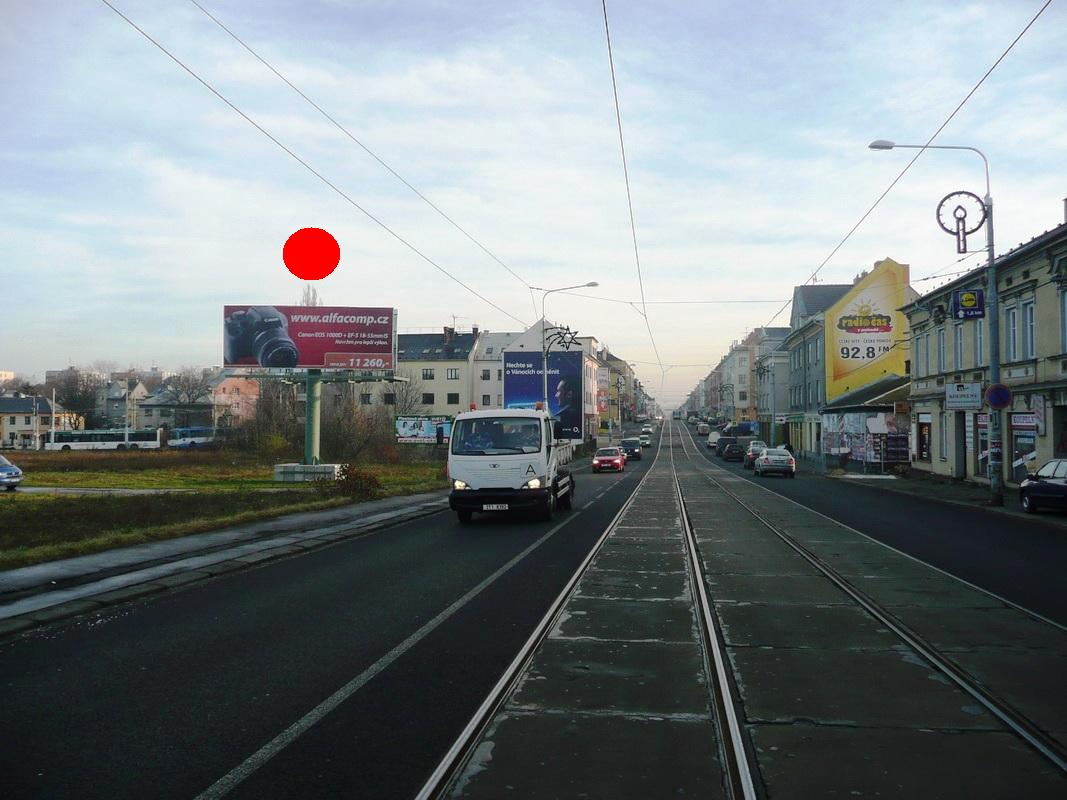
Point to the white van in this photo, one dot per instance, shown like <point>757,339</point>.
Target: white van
<point>713,437</point>
<point>703,429</point>
<point>508,460</point>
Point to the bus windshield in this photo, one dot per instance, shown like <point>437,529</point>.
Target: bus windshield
<point>492,436</point>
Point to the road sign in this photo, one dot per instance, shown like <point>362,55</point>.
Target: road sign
<point>998,396</point>
<point>963,396</point>
<point>968,304</point>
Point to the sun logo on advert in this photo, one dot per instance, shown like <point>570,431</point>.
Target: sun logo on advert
<point>865,317</point>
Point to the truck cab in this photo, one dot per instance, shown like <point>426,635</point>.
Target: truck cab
<point>508,460</point>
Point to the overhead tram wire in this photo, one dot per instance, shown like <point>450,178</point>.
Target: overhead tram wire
<point>629,197</point>
<point>311,169</point>
<point>626,178</point>
<point>918,153</point>
<point>366,149</point>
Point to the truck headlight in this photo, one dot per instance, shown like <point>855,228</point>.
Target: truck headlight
<point>533,483</point>
<point>459,485</point>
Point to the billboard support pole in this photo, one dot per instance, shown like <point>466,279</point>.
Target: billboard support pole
<point>311,416</point>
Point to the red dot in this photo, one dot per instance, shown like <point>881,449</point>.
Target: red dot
<point>311,254</point>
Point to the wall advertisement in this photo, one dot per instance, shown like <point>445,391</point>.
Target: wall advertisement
<point>523,386</point>
<point>423,430</point>
<point>866,334</point>
<point>338,337</point>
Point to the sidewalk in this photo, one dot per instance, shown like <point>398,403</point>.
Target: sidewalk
<point>955,492</point>
<point>42,593</point>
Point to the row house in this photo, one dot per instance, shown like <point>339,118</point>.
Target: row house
<point>950,369</point>
<point>26,419</point>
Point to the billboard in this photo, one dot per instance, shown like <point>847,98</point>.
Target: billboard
<point>309,336</point>
<point>963,396</point>
<point>866,333</point>
<point>523,386</point>
<point>423,430</point>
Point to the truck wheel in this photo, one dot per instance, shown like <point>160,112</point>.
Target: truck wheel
<point>549,510</point>
<point>566,503</point>
<point>465,516</point>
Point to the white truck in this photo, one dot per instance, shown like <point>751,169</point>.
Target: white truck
<point>508,460</point>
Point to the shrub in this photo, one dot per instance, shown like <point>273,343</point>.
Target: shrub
<point>357,483</point>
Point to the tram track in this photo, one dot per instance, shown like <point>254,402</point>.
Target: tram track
<point>1011,717</point>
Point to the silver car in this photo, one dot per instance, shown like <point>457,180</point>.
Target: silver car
<point>10,475</point>
<point>773,460</point>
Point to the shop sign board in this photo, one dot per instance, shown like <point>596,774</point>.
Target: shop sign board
<point>968,304</point>
<point>963,396</point>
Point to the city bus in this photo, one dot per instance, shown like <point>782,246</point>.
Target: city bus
<point>192,438</point>
<point>109,439</point>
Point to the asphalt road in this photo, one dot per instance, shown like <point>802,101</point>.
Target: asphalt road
<point>164,697</point>
<point>1019,560</point>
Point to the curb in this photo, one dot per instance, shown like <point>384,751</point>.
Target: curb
<point>109,597</point>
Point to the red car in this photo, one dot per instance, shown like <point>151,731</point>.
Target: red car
<point>609,458</point>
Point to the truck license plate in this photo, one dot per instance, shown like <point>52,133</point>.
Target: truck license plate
<point>495,507</point>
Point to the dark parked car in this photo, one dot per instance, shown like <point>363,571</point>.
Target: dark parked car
<point>10,475</point>
<point>755,447</point>
<point>720,445</point>
<point>632,448</point>
<point>1047,488</point>
<point>733,452</point>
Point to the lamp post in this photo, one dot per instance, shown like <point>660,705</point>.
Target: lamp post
<point>544,345</point>
<point>996,467</point>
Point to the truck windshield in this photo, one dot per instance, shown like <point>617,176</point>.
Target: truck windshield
<point>493,436</point>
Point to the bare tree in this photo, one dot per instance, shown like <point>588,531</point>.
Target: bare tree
<point>105,366</point>
<point>27,384</point>
<point>190,391</point>
<point>407,395</point>
<point>310,296</point>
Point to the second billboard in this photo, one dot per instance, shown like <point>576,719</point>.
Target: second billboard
<point>523,387</point>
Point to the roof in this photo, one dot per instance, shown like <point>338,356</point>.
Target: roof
<point>25,404</point>
<point>813,298</point>
<point>432,347</point>
<point>494,341</point>
<point>1019,251</point>
<point>874,396</point>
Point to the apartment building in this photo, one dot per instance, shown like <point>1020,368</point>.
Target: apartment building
<point>488,372</point>
<point>440,367</point>
<point>950,367</point>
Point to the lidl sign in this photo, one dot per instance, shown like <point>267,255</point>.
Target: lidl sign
<point>968,304</point>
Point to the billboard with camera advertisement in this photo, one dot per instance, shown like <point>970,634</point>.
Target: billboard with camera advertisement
<point>323,337</point>
<point>523,386</point>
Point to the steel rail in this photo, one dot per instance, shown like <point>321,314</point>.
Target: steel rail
<point>457,755</point>
<point>735,758</point>
<point>1011,717</point>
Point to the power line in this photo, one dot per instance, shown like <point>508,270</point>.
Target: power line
<point>918,153</point>
<point>629,198</point>
<point>366,149</point>
<point>309,168</point>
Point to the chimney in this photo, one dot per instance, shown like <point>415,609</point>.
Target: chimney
<point>449,333</point>
<point>474,332</point>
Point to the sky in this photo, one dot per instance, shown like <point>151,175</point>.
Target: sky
<point>134,203</point>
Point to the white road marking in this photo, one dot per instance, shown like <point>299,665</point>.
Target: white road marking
<point>246,768</point>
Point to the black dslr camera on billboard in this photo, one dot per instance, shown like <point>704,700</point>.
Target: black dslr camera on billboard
<point>262,333</point>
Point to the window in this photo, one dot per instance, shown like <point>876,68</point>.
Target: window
<point>485,400</point>
<point>453,398</point>
<point>979,342</point>
<point>1028,329</point>
<point>942,435</point>
<point>818,389</point>
<point>489,351</point>
<point>1011,328</point>
<point>485,374</point>
<point>427,374</point>
<point>148,412</point>
<point>389,399</point>
<point>453,374</point>
<point>918,355</point>
<point>926,354</point>
<point>364,399</point>
<point>742,397</point>
<point>940,349</point>
<point>427,398</point>
<point>1063,322</point>
<point>500,374</point>
<point>500,399</point>
<point>818,347</point>
<point>27,420</point>
<point>957,346</point>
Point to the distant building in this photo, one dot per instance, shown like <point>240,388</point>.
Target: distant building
<point>25,418</point>
<point>441,369</point>
<point>117,404</point>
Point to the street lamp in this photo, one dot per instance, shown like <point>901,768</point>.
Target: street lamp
<point>544,346</point>
<point>996,467</point>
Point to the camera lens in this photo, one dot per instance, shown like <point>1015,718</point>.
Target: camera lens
<point>277,350</point>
